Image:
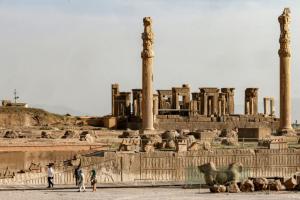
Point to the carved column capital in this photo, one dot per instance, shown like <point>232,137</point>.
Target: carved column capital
<point>148,39</point>
<point>284,20</point>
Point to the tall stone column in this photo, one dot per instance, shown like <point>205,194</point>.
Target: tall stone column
<point>147,75</point>
<point>285,73</point>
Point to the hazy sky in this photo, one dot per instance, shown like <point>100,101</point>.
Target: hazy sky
<point>64,54</point>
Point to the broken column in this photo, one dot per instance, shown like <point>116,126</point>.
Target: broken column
<point>272,106</point>
<point>285,73</point>
<point>229,99</point>
<point>269,109</point>
<point>267,106</point>
<point>251,100</point>
<point>114,93</point>
<point>147,75</point>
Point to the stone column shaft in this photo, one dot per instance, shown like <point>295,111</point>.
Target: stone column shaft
<point>147,75</point>
<point>285,73</point>
<point>285,94</point>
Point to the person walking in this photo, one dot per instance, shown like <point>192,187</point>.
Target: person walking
<point>81,181</point>
<point>77,175</point>
<point>93,179</point>
<point>50,176</point>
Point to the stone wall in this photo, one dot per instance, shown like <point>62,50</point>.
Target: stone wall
<point>171,166</point>
<point>171,122</point>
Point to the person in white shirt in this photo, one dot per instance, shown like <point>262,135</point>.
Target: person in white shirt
<point>50,176</point>
<point>81,181</point>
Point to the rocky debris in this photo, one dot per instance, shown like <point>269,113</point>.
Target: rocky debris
<point>275,185</point>
<point>12,134</point>
<point>169,135</point>
<point>231,141</point>
<point>181,145</point>
<point>151,139</point>
<point>233,188</point>
<point>260,184</point>
<point>247,186</point>
<point>69,134</point>
<point>229,133</point>
<point>130,144</point>
<point>217,188</point>
<point>274,142</point>
<point>290,184</point>
<point>190,138</point>
<point>46,135</point>
<point>206,146</point>
<point>183,131</point>
<point>149,148</point>
<point>168,139</point>
<point>87,136</point>
<point>229,137</point>
<point>206,135</point>
<point>130,134</point>
<point>170,144</point>
<point>150,142</point>
<point>196,146</point>
<point>131,141</point>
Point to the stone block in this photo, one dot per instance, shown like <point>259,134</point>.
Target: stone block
<point>290,184</point>
<point>247,186</point>
<point>254,133</point>
<point>110,122</point>
<point>217,188</point>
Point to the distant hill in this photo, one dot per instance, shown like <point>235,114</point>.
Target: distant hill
<point>20,116</point>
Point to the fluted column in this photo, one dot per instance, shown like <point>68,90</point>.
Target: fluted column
<point>147,75</point>
<point>285,73</point>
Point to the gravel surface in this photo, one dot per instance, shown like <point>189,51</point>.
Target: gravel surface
<point>141,193</point>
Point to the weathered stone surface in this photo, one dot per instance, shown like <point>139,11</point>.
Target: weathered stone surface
<point>149,148</point>
<point>46,135</point>
<point>275,185</point>
<point>212,175</point>
<point>69,134</point>
<point>233,188</point>
<point>12,134</point>
<point>147,75</point>
<point>87,136</point>
<point>230,141</point>
<point>217,188</point>
<point>154,139</point>
<point>130,134</point>
<point>260,184</point>
<point>170,144</point>
<point>291,183</point>
<point>170,135</point>
<point>195,146</point>
<point>285,74</point>
<point>247,186</point>
<point>229,133</point>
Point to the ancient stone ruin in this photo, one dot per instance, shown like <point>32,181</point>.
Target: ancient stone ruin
<point>176,135</point>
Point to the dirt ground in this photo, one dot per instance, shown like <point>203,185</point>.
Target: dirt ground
<point>171,193</point>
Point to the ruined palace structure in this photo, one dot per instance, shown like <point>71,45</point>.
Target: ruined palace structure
<point>209,107</point>
<point>285,73</point>
<point>180,108</point>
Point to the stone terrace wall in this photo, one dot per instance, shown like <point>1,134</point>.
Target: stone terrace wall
<point>168,122</point>
<point>173,167</point>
